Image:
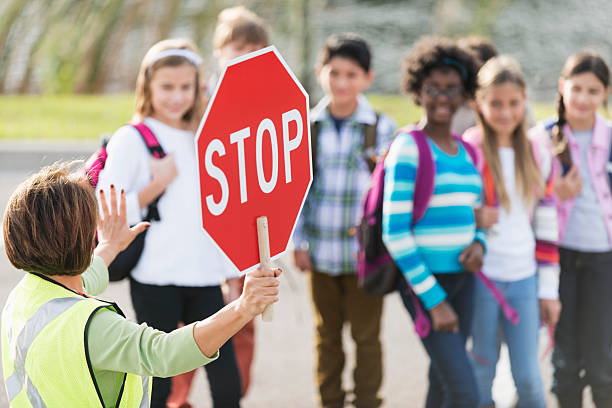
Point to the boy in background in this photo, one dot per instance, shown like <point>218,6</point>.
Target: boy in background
<point>346,137</point>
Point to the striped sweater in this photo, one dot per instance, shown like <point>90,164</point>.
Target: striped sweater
<point>433,244</point>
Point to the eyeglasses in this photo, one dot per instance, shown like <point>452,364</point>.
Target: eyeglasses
<point>451,93</point>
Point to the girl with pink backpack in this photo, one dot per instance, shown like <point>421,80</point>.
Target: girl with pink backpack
<point>178,276</point>
<point>520,215</point>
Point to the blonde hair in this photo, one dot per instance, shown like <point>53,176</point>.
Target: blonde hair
<point>50,222</point>
<point>498,71</point>
<point>144,107</point>
<point>238,24</point>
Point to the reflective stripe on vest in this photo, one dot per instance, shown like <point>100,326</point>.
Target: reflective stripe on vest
<point>43,316</point>
<point>144,402</point>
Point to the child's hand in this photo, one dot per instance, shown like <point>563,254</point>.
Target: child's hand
<point>471,257</point>
<point>260,290</point>
<point>444,318</point>
<point>302,260</point>
<point>486,216</point>
<point>114,233</point>
<point>568,186</point>
<point>550,309</point>
<point>163,171</point>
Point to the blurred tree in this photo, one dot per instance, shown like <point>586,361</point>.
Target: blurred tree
<point>65,46</point>
<point>8,20</point>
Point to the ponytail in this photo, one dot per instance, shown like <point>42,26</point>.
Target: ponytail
<point>560,142</point>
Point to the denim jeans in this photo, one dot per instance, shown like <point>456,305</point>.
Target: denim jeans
<point>451,380</point>
<point>583,337</point>
<point>522,340</point>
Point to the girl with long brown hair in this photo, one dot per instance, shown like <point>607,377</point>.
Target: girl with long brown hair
<point>520,215</point>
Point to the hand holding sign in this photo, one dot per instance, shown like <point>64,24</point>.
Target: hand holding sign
<point>253,150</point>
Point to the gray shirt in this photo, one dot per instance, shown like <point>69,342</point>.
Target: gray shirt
<point>586,229</point>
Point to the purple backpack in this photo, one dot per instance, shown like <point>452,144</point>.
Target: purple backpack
<point>376,270</point>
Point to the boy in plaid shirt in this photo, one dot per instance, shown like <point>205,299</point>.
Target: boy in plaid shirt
<point>325,244</point>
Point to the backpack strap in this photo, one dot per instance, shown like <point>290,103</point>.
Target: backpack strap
<point>150,140</point>
<point>315,128</point>
<point>425,174</point>
<point>426,171</point>
<point>370,134</point>
<point>469,149</point>
<point>156,151</point>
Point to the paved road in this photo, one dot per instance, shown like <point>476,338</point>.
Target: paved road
<point>283,369</point>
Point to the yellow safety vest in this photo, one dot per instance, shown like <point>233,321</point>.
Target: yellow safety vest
<point>45,354</point>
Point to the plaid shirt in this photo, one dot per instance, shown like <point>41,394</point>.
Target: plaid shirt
<point>333,205</point>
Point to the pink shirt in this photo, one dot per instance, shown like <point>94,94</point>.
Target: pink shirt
<point>597,155</point>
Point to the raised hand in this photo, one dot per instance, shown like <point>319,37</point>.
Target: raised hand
<point>114,233</point>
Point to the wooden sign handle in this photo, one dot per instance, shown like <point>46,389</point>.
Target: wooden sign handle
<point>264,258</point>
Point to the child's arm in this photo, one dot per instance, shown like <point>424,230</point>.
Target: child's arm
<point>546,231</point>
<point>472,255</point>
<point>301,256</point>
<point>400,174</point>
<point>385,130</point>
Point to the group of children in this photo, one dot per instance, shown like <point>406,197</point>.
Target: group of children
<point>528,209</point>
<point>519,217</point>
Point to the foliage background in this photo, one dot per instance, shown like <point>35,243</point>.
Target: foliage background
<point>93,46</point>
<point>63,48</point>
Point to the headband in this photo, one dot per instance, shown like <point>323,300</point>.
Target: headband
<point>456,64</point>
<point>189,55</point>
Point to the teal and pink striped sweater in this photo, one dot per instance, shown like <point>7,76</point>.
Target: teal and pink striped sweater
<point>432,244</point>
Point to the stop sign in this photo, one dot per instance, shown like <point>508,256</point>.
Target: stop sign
<point>253,148</point>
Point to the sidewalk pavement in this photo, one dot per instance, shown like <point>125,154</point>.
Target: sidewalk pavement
<point>17,155</point>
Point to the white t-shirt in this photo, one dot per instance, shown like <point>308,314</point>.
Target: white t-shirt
<point>510,243</point>
<point>176,251</point>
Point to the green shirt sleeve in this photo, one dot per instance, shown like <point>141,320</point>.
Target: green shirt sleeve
<point>119,345</point>
<point>95,277</point>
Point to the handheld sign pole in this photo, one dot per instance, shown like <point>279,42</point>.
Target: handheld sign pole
<point>263,242</point>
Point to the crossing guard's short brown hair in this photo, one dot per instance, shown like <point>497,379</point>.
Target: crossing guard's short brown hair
<point>50,223</point>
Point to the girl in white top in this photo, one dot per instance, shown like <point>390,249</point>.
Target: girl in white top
<point>521,220</point>
<point>179,273</point>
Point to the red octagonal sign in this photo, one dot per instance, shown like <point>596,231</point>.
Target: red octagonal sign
<point>253,150</point>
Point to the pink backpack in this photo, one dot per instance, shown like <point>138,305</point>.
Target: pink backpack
<point>123,264</point>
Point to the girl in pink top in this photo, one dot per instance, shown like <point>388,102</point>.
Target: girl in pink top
<point>581,141</point>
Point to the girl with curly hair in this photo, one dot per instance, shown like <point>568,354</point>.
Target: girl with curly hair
<point>439,252</point>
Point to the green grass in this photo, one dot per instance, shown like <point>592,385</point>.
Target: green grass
<point>85,117</point>
<point>63,117</point>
